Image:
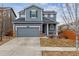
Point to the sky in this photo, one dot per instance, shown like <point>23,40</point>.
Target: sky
<point>46,6</point>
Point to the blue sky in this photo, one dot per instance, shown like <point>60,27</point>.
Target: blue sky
<point>46,6</point>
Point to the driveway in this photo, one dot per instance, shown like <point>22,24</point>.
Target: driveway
<point>22,46</point>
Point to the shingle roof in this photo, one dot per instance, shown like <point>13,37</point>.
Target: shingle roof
<point>45,20</point>
<point>49,12</point>
<point>22,20</point>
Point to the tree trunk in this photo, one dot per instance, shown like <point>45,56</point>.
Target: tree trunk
<point>76,40</point>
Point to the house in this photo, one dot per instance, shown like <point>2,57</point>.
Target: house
<point>34,21</point>
<point>7,15</point>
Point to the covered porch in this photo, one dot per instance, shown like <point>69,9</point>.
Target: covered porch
<point>49,29</point>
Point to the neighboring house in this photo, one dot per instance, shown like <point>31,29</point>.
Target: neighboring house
<point>7,15</point>
<point>34,21</point>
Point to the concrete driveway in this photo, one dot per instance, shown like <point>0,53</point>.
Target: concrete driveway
<point>23,46</point>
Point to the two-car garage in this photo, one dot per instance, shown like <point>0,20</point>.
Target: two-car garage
<point>27,31</point>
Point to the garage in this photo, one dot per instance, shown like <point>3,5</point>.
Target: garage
<point>30,31</point>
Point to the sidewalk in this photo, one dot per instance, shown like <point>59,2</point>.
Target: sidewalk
<point>58,49</point>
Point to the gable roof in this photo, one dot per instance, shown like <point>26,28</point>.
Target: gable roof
<point>34,6</point>
<point>30,7</point>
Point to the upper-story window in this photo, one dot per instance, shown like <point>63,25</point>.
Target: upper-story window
<point>22,15</point>
<point>51,16</point>
<point>45,15</point>
<point>33,13</point>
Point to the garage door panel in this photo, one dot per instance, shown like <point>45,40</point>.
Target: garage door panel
<point>28,31</point>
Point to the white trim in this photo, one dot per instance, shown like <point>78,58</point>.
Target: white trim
<point>47,30</point>
<point>41,16</point>
<point>56,30</point>
<point>35,26</point>
<point>27,26</point>
<point>19,26</point>
<point>25,14</point>
<point>33,10</point>
<point>33,17</point>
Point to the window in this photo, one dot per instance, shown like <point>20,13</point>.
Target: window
<point>33,13</point>
<point>22,15</point>
<point>51,27</point>
<point>45,15</point>
<point>51,15</point>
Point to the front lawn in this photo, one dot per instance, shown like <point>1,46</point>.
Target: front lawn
<point>50,42</point>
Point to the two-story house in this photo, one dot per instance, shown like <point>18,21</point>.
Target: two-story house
<point>7,15</point>
<point>34,21</point>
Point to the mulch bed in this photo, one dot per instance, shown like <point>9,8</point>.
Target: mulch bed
<point>60,53</point>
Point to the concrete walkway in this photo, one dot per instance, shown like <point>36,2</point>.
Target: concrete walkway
<point>59,49</point>
<point>21,47</point>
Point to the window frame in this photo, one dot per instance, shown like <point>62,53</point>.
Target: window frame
<point>51,15</point>
<point>33,13</point>
<point>51,27</point>
<point>45,15</point>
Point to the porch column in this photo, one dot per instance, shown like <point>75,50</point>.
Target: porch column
<point>56,30</point>
<point>25,15</point>
<point>47,30</point>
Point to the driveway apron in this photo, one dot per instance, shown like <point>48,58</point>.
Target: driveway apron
<point>21,46</point>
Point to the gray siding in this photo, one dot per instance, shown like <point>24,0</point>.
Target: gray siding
<point>38,13</point>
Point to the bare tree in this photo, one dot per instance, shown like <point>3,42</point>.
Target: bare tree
<point>69,13</point>
<point>1,23</point>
